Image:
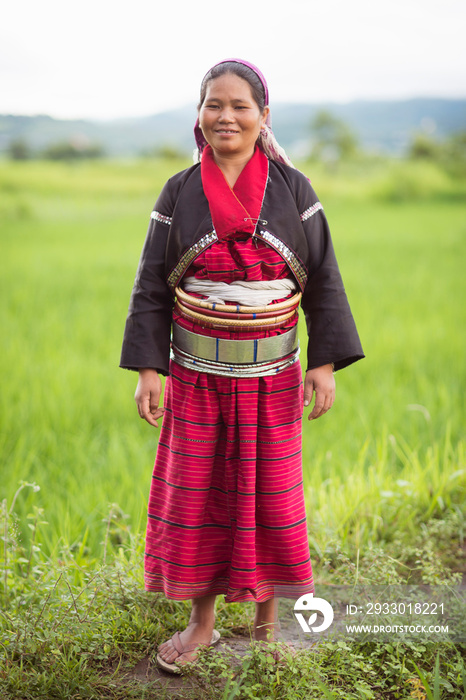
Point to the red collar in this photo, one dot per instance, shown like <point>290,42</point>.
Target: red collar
<point>236,209</point>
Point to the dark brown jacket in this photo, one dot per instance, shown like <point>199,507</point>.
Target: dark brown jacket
<point>292,221</point>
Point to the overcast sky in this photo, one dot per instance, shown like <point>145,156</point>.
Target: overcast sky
<point>101,59</point>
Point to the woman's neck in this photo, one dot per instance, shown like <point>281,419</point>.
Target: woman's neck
<point>232,165</point>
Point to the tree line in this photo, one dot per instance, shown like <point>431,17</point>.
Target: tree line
<point>19,149</point>
<point>332,142</point>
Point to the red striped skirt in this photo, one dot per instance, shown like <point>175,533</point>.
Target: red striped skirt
<point>226,508</point>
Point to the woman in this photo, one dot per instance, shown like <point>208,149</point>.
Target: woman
<point>234,243</point>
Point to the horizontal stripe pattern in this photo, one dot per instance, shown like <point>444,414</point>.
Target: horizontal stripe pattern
<point>226,507</point>
<point>239,257</point>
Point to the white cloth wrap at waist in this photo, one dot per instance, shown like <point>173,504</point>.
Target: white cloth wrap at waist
<point>246,293</point>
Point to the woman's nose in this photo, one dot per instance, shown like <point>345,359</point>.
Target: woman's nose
<point>226,115</point>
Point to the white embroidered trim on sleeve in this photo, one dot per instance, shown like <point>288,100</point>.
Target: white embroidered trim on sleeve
<point>161,218</point>
<point>311,211</point>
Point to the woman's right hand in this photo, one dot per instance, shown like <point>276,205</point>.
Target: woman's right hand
<point>147,396</point>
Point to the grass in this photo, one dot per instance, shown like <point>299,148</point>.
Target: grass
<point>72,627</point>
<point>384,472</point>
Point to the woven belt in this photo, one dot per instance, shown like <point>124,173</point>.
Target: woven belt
<point>234,316</point>
<point>285,305</point>
<point>252,358</point>
<point>268,321</point>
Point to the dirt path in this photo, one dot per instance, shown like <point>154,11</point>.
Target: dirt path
<point>146,670</point>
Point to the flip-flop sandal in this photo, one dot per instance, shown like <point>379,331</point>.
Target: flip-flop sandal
<point>177,668</point>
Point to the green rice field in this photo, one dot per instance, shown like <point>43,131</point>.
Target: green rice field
<point>385,465</point>
<point>71,238</point>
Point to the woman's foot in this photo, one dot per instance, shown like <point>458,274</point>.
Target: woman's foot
<point>183,647</point>
<point>266,625</point>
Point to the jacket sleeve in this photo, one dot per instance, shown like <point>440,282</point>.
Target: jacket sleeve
<point>330,325</point>
<point>146,341</point>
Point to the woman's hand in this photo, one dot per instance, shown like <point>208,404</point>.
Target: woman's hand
<point>147,396</point>
<point>321,381</point>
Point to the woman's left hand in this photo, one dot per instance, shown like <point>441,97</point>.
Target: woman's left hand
<point>320,381</point>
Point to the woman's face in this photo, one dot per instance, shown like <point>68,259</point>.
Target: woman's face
<point>230,118</point>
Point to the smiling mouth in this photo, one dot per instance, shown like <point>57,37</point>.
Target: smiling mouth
<point>226,131</point>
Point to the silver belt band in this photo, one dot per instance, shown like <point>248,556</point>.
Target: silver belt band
<point>235,358</point>
<point>235,352</point>
<point>261,369</point>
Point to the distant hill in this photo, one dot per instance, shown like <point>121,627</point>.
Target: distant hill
<point>379,126</point>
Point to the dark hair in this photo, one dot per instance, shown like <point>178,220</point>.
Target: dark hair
<point>241,71</point>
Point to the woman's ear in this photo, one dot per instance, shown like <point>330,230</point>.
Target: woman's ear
<point>265,114</point>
